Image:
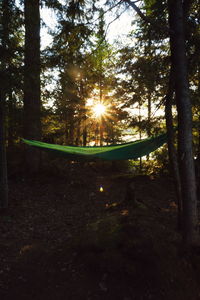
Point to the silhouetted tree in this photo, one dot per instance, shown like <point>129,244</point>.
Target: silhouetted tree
<point>185,149</point>
<point>32,102</point>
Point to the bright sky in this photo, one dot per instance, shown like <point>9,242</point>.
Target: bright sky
<point>48,16</point>
<point>117,30</point>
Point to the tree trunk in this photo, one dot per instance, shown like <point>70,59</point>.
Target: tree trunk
<point>78,133</point>
<point>84,126</point>
<point>3,89</point>
<point>149,115</point>
<point>149,118</point>
<point>140,131</point>
<point>32,102</point>
<point>11,122</point>
<point>197,167</point>
<point>185,151</point>
<point>71,128</point>
<point>171,148</point>
<point>100,131</point>
<point>84,134</point>
<point>198,164</point>
<point>3,161</point>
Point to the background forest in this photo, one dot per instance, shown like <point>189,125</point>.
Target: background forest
<point>81,67</point>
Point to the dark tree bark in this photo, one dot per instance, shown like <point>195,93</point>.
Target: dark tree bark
<point>83,95</point>
<point>197,166</point>
<point>84,131</point>
<point>32,102</point>
<point>11,121</point>
<point>185,151</point>
<point>149,115</point>
<point>149,118</point>
<point>3,161</point>
<point>138,11</point>
<point>71,127</point>
<point>140,131</point>
<point>171,148</point>
<point>3,88</point>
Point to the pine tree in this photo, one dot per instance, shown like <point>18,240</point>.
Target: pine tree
<point>32,101</point>
<point>6,7</point>
<point>185,151</point>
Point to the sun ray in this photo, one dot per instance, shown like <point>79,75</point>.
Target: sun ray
<point>99,110</point>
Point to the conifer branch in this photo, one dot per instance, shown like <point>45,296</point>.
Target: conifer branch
<point>138,11</point>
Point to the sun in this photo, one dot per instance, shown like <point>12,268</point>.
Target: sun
<point>99,110</point>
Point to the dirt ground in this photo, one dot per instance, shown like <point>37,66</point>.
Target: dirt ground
<point>62,238</point>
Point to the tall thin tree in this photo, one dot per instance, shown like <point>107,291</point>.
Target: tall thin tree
<point>185,151</point>
<point>3,161</point>
<point>171,147</point>
<point>32,101</point>
<point>3,71</point>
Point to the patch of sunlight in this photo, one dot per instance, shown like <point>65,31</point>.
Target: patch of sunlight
<point>25,249</point>
<point>125,212</point>
<point>101,189</point>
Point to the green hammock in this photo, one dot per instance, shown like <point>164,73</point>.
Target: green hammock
<point>131,150</point>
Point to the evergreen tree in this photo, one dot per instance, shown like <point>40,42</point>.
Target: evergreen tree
<point>68,59</point>
<point>5,16</point>
<point>32,101</point>
<point>186,161</point>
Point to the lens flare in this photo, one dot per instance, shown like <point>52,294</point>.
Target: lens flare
<point>101,189</point>
<point>99,110</point>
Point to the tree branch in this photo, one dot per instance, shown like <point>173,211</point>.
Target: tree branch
<point>138,11</point>
<point>186,7</point>
<point>106,11</point>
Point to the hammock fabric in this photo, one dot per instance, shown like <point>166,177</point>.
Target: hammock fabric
<point>131,150</point>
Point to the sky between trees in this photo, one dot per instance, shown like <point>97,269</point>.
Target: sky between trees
<point>117,30</point>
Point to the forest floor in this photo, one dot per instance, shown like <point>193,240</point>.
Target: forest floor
<point>62,238</point>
